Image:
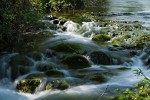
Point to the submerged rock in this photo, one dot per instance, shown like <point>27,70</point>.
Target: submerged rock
<point>54,73</point>
<point>99,57</point>
<point>67,47</point>
<point>57,84</point>
<point>35,76</point>
<point>28,85</point>
<point>36,56</point>
<point>97,78</point>
<point>20,64</point>
<point>101,38</point>
<point>43,66</point>
<point>76,62</point>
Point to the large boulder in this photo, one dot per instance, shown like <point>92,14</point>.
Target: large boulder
<point>59,84</point>
<point>28,85</point>
<point>66,47</point>
<point>76,61</point>
<point>99,57</point>
<point>20,64</point>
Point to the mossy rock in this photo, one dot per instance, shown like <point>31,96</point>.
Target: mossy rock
<point>99,57</point>
<point>97,78</point>
<point>127,28</point>
<point>123,68</point>
<point>54,73</point>
<point>66,47</point>
<point>101,38</point>
<point>119,40</point>
<point>42,66</point>
<point>59,84</point>
<point>35,76</point>
<point>141,42</point>
<point>19,65</point>
<point>28,85</point>
<point>20,60</point>
<point>76,62</point>
<point>36,56</point>
<point>104,30</point>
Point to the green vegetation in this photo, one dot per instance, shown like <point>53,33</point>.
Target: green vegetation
<point>67,47</point>
<point>141,90</point>
<point>101,38</point>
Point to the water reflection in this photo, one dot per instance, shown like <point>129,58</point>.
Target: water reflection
<point>129,5</point>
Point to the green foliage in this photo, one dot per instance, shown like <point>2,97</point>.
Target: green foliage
<point>17,17</point>
<point>101,38</point>
<point>141,90</point>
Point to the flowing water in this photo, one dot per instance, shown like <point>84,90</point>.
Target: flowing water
<point>128,10</point>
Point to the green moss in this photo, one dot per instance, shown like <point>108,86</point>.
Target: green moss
<point>28,85</point>
<point>66,47</point>
<point>35,76</point>
<point>57,84</point>
<point>45,66</point>
<point>119,40</point>
<point>97,78</point>
<point>124,68</point>
<point>54,73</point>
<point>76,62</point>
<point>101,38</point>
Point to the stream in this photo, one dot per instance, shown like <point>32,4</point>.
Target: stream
<point>119,72</point>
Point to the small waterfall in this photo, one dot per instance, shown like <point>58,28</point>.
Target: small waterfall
<point>71,26</point>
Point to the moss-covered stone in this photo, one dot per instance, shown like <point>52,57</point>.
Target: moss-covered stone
<point>36,56</point>
<point>35,76</point>
<point>18,63</point>
<point>99,57</point>
<point>66,47</point>
<point>42,66</point>
<point>57,84</point>
<point>28,85</point>
<point>98,78</point>
<point>123,68</point>
<point>54,73</point>
<point>105,30</point>
<point>101,38</point>
<point>119,40</point>
<point>76,62</point>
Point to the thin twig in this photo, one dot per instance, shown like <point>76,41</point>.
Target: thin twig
<point>103,93</point>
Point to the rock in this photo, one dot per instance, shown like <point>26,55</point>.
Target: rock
<point>54,73</point>
<point>101,38</point>
<point>58,84</point>
<point>24,69</point>
<point>105,30</point>
<point>43,66</point>
<point>28,85</point>
<point>99,57</point>
<point>119,40</point>
<point>49,53</point>
<point>67,47</point>
<point>19,63</point>
<point>35,76</point>
<point>123,68</point>
<point>76,62</point>
<point>97,78</point>
<point>148,61</point>
<point>56,21</point>
<point>36,56</point>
